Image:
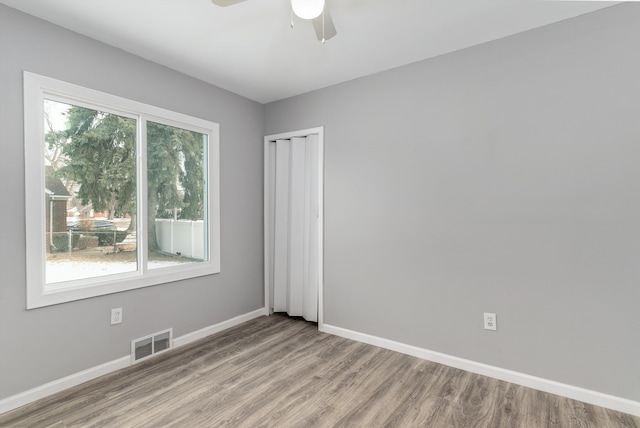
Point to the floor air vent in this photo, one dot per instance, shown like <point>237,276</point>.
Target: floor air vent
<point>148,346</point>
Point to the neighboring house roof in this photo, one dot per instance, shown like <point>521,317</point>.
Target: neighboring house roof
<point>53,185</point>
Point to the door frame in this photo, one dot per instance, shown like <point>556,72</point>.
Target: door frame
<point>268,171</point>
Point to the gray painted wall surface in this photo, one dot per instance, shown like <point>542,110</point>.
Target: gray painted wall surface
<point>42,345</point>
<point>502,178</point>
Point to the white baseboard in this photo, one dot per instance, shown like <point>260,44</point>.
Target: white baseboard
<point>216,328</point>
<point>569,391</point>
<point>51,388</point>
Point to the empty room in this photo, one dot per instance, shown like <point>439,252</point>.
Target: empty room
<point>288,213</point>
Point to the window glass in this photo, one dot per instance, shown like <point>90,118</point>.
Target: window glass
<point>176,195</point>
<point>90,192</point>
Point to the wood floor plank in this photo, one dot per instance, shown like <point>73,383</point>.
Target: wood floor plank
<point>278,371</point>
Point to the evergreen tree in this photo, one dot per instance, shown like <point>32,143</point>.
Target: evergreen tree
<point>100,155</point>
<point>174,174</point>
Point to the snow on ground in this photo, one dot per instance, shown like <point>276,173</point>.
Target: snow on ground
<point>65,270</point>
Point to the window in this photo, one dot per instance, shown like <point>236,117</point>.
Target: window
<point>119,194</point>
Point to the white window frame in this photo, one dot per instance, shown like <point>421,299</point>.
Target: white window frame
<point>38,88</point>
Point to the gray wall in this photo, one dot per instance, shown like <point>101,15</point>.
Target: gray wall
<point>42,345</point>
<point>502,178</point>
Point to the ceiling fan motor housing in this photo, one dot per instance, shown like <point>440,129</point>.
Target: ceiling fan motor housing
<point>307,9</point>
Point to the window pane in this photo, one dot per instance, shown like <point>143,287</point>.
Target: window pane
<point>90,192</point>
<point>177,203</point>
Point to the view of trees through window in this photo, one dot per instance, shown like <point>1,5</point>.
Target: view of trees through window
<point>91,193</point>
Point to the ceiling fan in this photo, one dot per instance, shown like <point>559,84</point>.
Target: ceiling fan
<point>313,10</point>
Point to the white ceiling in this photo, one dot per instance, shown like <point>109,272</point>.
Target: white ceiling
<point>250,49</point>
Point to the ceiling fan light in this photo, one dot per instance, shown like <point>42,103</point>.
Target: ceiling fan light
<point>307,9</point>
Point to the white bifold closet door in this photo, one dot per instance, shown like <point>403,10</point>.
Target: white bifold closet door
<point>295,213</point>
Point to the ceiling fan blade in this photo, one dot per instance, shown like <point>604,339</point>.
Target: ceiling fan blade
<point>225,3</point>
<point>329,27</point>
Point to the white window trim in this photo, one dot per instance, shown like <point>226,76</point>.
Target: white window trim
<point>36,89</point>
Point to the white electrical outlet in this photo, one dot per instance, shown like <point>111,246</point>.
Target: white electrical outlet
<point>490,321</point>
<point>116,316</point>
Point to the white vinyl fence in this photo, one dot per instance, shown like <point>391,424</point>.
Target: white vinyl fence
<point>181,236</point>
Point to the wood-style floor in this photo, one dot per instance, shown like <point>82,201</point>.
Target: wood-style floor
<point>281,372</point>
